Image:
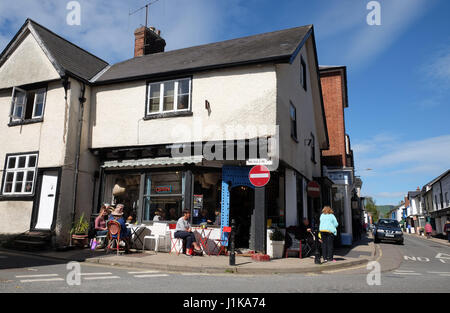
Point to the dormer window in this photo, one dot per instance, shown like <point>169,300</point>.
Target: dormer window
<point>27,105</point>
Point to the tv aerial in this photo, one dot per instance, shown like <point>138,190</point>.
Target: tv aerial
<point>146,11</point>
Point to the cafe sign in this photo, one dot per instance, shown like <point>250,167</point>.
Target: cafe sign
<point>163,189</point>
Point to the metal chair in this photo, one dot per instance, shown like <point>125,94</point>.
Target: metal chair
<point>222,243</point>
<point>159,232</point>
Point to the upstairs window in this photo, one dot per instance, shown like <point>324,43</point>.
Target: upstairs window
<point>313,148</point>
<point>293,115</point>
<point>27,104</point>
<point>19,174</point>
<point>169,96</point>
<point>303,73</point>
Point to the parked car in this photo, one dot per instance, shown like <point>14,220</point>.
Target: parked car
<point>389,230</point>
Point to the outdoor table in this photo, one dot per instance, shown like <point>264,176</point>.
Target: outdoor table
<point>204,237</point>
<point>136,231</point>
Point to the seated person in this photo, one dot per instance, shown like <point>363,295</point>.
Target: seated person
<point>204,217</point>
<point>305,231</point>
<point>100,221</point>
<point>160,215</point>
<point>172,214</point>
<point>217,217</point>
<point>183,230</point>
<point>124,231</point>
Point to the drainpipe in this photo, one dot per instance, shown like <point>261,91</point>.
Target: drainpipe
<point>82,100</point>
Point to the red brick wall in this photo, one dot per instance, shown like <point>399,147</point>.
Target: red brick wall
<point>334,112</point>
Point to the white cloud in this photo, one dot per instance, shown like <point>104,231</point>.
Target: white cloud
<point>107,29</point>
<point>390,195</point>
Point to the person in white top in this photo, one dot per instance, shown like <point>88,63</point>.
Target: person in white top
<point>183,230</point>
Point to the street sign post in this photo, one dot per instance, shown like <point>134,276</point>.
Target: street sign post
<point>259,175</point>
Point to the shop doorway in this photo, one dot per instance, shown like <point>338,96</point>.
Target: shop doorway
<point>242,199</point>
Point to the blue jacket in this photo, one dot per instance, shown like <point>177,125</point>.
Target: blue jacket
<point>328,223</point>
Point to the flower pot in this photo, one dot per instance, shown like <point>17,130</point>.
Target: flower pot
<point>276,249</point>
<point>80,240</point>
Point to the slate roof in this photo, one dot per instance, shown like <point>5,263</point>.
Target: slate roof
<point>66,56</point>
<point>70,57</point>
<point>274,46</point>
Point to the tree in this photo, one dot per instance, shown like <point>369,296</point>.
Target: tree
<point>371,207</point>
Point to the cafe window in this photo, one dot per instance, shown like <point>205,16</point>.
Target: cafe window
<point>163,196</point>
<point>207,196</point>
<point>169,96</point>
<point>19,174</point>
<point>123,189</point>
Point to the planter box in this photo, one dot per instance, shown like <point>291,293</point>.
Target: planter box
<point>275,249</point>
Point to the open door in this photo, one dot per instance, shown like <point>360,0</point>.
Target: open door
<point>46,207</point>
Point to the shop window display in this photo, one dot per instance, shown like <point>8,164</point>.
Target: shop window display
<point>206,197</point>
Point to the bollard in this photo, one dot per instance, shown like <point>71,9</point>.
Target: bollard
<point>232,253</point>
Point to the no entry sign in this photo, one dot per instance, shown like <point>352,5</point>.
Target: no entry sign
<point>259,175</point>
<point>313,189</point>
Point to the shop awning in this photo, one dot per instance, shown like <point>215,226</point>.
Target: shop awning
<point>151,162</point>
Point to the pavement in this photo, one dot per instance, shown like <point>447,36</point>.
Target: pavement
<point>432,239</point>
<point>359,254</point>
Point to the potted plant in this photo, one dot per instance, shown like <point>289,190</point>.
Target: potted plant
<point>277,244</point>
<point>79,232</point>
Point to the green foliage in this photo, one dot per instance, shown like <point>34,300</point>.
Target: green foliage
<point>277,235</point>
<point>371,207</point>
<point>81,227</point>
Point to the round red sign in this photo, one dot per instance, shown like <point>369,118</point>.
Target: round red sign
<point>259,175</point>
<point>313,189</point>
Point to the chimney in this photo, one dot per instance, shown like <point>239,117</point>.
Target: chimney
<point>148,41</point>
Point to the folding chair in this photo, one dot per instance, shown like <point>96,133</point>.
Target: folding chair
<point>226,231</point>
<point>176,244</point>
<point>113,230</point>
<point>307,248</point>
<point>296,246</point>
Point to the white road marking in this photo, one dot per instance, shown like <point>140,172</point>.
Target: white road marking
<point>143,272</point>
<point>102,277</point>
<point>446,275</point>
<point>38,275</point>
<point>148,276</point>
<point>40,280</point>
<point>402,273</point>
<point>438,272</point>
<point>93,274</point>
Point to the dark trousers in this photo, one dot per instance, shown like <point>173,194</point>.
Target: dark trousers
<point>448,236</point>
<point>189,237</point>
<point>327,245</point>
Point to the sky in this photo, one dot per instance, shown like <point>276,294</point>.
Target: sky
<point>398,72</point>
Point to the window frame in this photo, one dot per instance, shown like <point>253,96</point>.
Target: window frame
<point>293,136</point>
<point>13,119</point>
<point>303,74</point>
<point>175,109</point>
<point>16,170</point>
<point>313,148</point>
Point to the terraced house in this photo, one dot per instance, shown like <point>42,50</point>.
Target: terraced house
<point>77,132</point>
